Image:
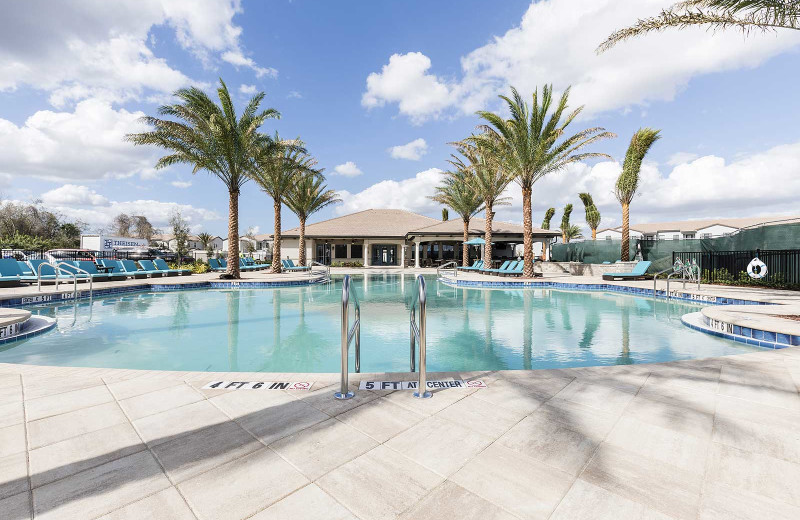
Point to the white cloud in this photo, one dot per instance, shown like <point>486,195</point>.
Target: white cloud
<point>412,151</point>
<point>348,169</point>
<point>74,195</point>
<point>651,68</point>
<point>248,89</point>
<point>681,157</point>
<point>80,145</point>
<point>238,59</point>
<point>181,184</point>
<point>293,94</point>
<point>409,194</point>
<point>404,80</point>
<point>86,48</point>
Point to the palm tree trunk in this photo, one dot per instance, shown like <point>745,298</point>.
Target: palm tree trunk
<point>527,237</point>
<point>464,246</point>
<point>276,245</point>
<point>302,242</point>
<point>233,234</point>
<point>594,233</point>
<point>626,229</point>
<point>487,236</point>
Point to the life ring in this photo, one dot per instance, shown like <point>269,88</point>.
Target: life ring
<point>756,269</point>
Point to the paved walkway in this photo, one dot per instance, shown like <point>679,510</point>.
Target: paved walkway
<point>707,439</point>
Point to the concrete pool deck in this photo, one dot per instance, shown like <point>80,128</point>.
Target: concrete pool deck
<point>709,438</point>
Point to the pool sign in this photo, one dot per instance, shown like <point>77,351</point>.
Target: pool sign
<point>258,385</point>
<point>412,385</point>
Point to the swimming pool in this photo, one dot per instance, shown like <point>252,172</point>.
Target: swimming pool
<point>297,329</point>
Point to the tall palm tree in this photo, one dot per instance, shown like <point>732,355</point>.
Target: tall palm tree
<point>487,179</point>
<point>211,137</point>
<point>592,213</point>
<point>530,145</point>
<point>628,180</point>
<point>457,192</point>
<point>746,15</point>
<point>307,196</point>
<point>278,168</point>
<point>548,216</point>
<point>565,222</point>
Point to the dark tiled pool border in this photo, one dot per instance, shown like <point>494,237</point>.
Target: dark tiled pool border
<point>757,337</point>
<point>67,296</point>
<point>639,291</point>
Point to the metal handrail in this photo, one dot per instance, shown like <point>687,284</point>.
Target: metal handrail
<point>444,266</point>
<point>56,269</point>
<point>348,334</point>
<point>655,276</point>
<point>417,334</point>
<point>87,273</point>
<point>327,269</point>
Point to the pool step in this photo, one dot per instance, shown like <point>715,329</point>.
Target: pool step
<point>16,324</point>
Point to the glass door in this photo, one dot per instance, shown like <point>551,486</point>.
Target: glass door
<point>384,254</point>
<point>323,255</point>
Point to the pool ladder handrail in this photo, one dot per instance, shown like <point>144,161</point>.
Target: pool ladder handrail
<point>327,270</point>
<point>349,333</point>
<point>58,269</point>
<point>445,266</point>
<point>419,298</point>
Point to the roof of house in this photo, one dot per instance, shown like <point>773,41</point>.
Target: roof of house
<point>477,226</point>
<point>166,237</point>
<point>695,225</point>
<point>263,236</point>
<point>370,223</point>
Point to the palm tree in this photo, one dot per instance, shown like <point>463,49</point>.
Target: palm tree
<point>457,193</point>
<point>278,168</point>
<point>746,15</point>
<point>307,196</point>
<point>570,232</point>
<point>445,215</point>
<point>628,180</point>
<point>211,137</point>
<point>592,214</point>
<point>529,145</point>
<point>205,242</point>
<point>565,222</point>
<point>487,179</point>
<point>548,216</point>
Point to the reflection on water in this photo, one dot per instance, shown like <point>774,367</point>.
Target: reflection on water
<point>297,330</point>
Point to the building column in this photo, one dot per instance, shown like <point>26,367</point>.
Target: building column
<point>403,256</point>
<point>439,252</point>
<point>416,254</point>
<point>347,251</point>
<point>366,253</point>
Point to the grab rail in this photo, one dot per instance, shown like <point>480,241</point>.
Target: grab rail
<point>57,269</point>
<point>348,334</point>
<point>327,269</point>
<point>418,334</point>
<point>655,276</point>
<point>444,266</point>
<point>79,270</point>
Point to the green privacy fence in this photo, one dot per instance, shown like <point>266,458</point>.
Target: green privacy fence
<point>777,237</point>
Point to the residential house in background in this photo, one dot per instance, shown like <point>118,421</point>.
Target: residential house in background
<point>691,229</point>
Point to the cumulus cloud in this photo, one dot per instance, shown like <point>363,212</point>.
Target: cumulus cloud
<point>74,195</point>
<point>409,194</point>
<point>348,169</point>
<point>81,145</point>
<point>293,94</point>
<point>181,184</point>
<point>653,68</point>
<point>85,48</point>
<point>248,89</point>
<point>412,151</point>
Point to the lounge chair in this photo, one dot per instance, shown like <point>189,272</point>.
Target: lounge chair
<point>515,270</point>
<point>117,270</point>
<point>244,266</point>
<point>213,263</point>
<point>129,268</point>
<point>223,263</point>
<point>508,264</point>
<point>48,272</point>
<point>90,267</point>
<point>637,273</point>
<point>249,262</point>
<point>10,273</point>
<point>149,267</point>
<point>161,265</point>
<point>477,266</point>
<point>288,265</point>
<point>70,266</point>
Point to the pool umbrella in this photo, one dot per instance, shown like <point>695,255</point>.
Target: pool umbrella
<point>476,242</point>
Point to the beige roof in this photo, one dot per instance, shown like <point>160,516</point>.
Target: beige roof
<point>166,237</point>
<point>370,223</point>
<point>263,236</point>
<point>477,227</point>
<point>695,225</point>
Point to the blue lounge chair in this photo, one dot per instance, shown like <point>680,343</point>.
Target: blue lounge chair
<point>48,272</point>
<point>288,265</point>
<point>244,266</point>
<point>474,265</point>
<point>69,266</point>
<point>637,273</point>
<point>129,268</point>
<point>506,265</point>
<point>250,263</point>
<point>223,263</point>
<point>90,267</point>
<point>10,273</point>
<point>148,267</point>
<point>161,265</point>
<point>514,271</point>
<point>213,263</point>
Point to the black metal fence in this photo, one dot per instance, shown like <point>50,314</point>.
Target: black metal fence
<point>73,254</point>
<point>783,266</point>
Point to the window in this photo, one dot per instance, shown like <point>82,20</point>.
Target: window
<point>705,235</point>
<point>608,237</point>
<point>688,235</point>
<point>676,237</point>
<point>356,251</point>
<point>340,251</point>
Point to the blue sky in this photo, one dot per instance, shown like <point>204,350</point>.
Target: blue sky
<point>354,79</point>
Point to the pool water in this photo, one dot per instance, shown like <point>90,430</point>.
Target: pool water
<point>297,329</point>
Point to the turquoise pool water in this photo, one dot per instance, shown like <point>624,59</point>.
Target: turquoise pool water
<point>297,329</point>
